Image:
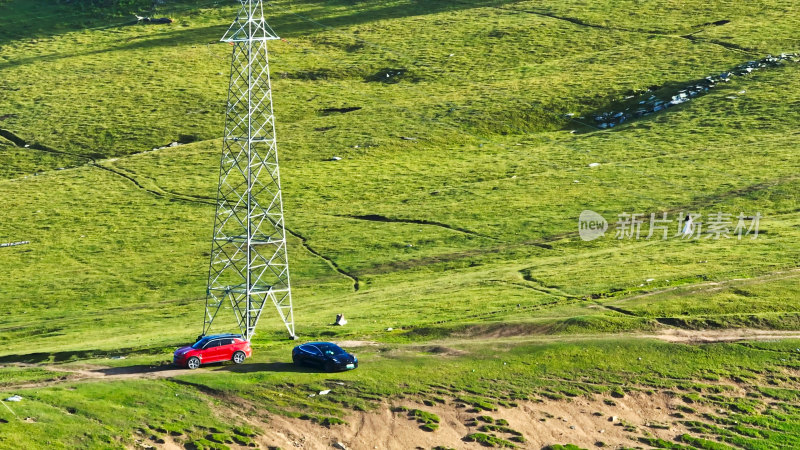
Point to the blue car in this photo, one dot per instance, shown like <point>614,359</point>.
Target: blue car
<point>325,355</point>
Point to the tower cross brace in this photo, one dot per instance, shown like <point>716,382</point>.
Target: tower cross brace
<point>249,265</point>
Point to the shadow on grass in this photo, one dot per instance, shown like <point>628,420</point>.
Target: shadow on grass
<point>270,367</point>
<point>141,369</point>
<point>57,19</point>
<point>55,357</point>
<point>287,23</point>
<point>167,368</point>
<point>164,367</point>
<point>41,19</point>
<point>209,34</point>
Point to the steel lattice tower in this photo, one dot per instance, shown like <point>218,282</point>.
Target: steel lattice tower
<point>249,264</point>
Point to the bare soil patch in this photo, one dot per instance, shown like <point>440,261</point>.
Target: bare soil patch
<point>580,421</point>
<point>728,335</point>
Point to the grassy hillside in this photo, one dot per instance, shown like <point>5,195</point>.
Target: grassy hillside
<point>451,217</point>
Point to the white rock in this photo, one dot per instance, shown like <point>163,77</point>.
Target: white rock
<point>14,398</point>
<point>594,164</point>
<point>649,280</point>
<point>325,392</point>
<point>336,158</point>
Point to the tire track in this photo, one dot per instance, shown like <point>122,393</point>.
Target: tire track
<point>716,285</point>
<point>99,373</point>
<point>140,186</point>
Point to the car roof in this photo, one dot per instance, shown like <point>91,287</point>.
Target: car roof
<point>215,336</point>
<point>317,344</point>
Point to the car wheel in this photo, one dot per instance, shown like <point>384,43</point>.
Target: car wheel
<point>193,362</point>
<point>238,357</point>
<point>329,367</point>
<point>296,359</point>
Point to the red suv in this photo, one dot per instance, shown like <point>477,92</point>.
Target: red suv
<point>216,348</point>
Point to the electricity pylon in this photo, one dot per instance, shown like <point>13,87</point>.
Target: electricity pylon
<point>249,264</point>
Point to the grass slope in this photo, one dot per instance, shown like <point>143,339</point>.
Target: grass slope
<point>453,210</point>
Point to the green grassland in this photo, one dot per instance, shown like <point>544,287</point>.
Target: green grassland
<point>451,217</point>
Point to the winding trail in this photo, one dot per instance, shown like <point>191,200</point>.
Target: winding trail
<point>689,36</point>
<point>162,192</point>
<point>71,373</point>
<point>331,263</point>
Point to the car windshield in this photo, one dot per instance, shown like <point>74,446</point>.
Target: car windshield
<point>330,349</point>
<point>199,344</point>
